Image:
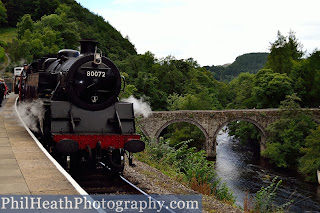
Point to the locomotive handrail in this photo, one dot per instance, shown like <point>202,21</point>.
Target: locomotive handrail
<point>124,83</point>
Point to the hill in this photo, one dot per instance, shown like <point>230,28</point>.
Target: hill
<point>74,23</point>
<point>250,62</point>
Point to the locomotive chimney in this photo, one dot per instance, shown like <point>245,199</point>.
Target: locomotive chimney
<point>88,46</point>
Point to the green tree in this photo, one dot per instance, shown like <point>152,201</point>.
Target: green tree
<point>25,23</point>
<point>310,162</point>
<point>283,52</point>
<point>244,131</point>
<point>45,7</point>
<point>287,135</point>
<point>241,89</point>
<point>3,14</point>
<point>271,88</point>
<point>306,77</point>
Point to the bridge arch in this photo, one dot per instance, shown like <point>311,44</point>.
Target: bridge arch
<point>257,124</point>
<point>203,130</point>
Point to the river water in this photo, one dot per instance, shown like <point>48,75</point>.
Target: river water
<point>244,171</point>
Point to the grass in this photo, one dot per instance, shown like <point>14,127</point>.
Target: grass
<point>7,34</point>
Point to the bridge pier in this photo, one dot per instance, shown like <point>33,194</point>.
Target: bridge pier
<point>210,147</point>
<point>263,143</point>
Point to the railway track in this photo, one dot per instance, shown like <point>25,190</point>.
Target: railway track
<point>102,182</point>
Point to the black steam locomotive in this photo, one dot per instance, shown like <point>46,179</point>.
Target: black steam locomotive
<point>83,119</point>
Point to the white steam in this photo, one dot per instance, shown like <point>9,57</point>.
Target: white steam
<point>140,107</point>
<point>31,113</point>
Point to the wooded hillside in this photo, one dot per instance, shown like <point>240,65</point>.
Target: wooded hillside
<point>250,62</point>
<point>69,23</point>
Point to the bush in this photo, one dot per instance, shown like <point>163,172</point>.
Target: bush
<point>2,54</point>
<point>264,199</point>
<point>286,136</point>
<point>187,165</point>
<point>310,162</point>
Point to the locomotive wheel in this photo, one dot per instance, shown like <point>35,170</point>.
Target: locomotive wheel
<point>91,163</point>
<point>118,160</point>
<point>74,162</point>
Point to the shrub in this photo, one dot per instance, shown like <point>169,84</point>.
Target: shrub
<point>265,197</point>
<point>310,162</point>
<point>1,54</point>
<point>188,165</point>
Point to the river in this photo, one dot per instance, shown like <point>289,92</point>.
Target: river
<point>244,171</point>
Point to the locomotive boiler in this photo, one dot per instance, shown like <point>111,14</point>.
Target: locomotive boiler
<point>83,120</point>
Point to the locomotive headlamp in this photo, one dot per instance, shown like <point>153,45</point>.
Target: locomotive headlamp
<point>97,58</point>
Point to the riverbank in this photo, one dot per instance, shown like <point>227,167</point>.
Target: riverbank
<point>154,182</point>
<point>245,173</point>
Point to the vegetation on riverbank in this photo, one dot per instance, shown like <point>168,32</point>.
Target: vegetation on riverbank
<point>264,200</point>
<point>187,166</point>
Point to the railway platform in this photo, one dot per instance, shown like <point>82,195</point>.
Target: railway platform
<point>24,168</point>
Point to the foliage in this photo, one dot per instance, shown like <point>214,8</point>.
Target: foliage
<point>6,35</point>
<point>1,54</point>
<point>306,77</point>
<point>310,162</point>
<point>265,197</point>
<point>244,131</point>
<point>178,132</point>
<point>172,84</point>
<point>3,14</point>
<point>283,52</point>
<point>17,8</point>
<point>250,62</point>
<point>287,135</point>
<point>62,23</point>
<point>240,89</point>
<point>270,88</point>
<point>185,163</point>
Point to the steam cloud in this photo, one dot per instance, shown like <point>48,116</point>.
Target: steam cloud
<point>140,107</point>
<point>31,113</point>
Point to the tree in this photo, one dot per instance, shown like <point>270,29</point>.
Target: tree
<point>3,14</point>
<point>241,92</point>
<point>306,77</point>
<point>271,88</point>
<point>45,7</point>
<point>25,23</point>
<point>310,162</point>
<point>287,135</point>
<point>283,52</point>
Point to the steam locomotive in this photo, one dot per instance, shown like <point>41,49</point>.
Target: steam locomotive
<point>83,121</point>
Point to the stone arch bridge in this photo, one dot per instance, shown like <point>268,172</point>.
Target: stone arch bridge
<point>210,122</point>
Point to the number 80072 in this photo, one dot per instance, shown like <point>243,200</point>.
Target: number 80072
<point>96,74</point>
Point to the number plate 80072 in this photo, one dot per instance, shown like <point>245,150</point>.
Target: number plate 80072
<point>96,73</point>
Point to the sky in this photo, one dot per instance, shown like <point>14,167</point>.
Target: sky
<point>212,32</point>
